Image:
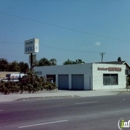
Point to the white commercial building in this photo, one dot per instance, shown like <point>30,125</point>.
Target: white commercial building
<point>89,76</point>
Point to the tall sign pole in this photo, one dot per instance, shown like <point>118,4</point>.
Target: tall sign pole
<point>31,61</point>
<point>31,47</point>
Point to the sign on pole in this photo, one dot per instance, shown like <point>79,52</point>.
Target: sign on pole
<point>31,46</point>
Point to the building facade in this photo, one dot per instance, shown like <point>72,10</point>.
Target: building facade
<point>90,76</point>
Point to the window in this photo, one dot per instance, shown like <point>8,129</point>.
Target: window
<point>38,72</point>
<point>110,79</point>
<point>51,78</point>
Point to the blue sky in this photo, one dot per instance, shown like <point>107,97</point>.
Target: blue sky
<point>67,29</point>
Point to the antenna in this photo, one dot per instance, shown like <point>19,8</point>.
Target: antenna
<point>102,54</point>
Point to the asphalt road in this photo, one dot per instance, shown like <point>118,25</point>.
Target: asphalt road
<point>95,113</point>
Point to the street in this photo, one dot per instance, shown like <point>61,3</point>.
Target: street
<point>89,113</point>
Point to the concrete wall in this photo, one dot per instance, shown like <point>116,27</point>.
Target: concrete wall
<point>85,69</point>
<point>3,73</point>
<point>98,76</point>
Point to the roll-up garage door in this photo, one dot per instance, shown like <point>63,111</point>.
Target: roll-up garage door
<point>63,82</point>
<point>78,82</point>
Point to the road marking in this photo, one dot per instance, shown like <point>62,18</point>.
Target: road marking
<point>86,102</point>
<point>43,124</point>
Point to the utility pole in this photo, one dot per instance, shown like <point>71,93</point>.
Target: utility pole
<point>102,54</point>
<point>31,61</point>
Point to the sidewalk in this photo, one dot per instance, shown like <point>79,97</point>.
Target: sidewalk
<point>60,94</point>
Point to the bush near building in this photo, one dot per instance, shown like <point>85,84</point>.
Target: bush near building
<point>30,83</point>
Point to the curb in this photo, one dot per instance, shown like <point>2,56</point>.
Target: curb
<point>124,92</point>
<point>45,98</point>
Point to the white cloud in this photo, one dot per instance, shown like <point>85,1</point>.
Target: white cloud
<point>98,43</point>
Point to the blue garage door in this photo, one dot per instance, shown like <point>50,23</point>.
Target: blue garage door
<point>78,82</point>
<point>63,82</point>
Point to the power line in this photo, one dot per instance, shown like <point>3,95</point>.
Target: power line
<point>10,42</point>
<point>66,49</point>
<point>71,29</point>
<point>53,47</point>
<point>81,51</point>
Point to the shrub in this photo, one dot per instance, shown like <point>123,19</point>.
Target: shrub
<point>30,88</point>
<point>30,83</point>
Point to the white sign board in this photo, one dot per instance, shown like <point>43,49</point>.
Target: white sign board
<point>31,46</point>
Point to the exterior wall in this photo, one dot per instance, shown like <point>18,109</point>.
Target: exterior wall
<point>85,69</point>
<point>3,73</point>
<point>98,76</point>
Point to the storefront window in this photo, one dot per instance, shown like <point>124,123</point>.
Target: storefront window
<point>110,79</point>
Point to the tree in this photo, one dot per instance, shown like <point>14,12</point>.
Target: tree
<point>78,61</point>
<point>53,61</point>
<point>3,64</point>
<point>23,67</point>
<point>68,62</point>
<point>119,59</point>
<point>44,62</point>
<point>14,66</point>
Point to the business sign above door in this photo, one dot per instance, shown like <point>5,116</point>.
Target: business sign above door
<point>110,68</point>
<point>31,46</point>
